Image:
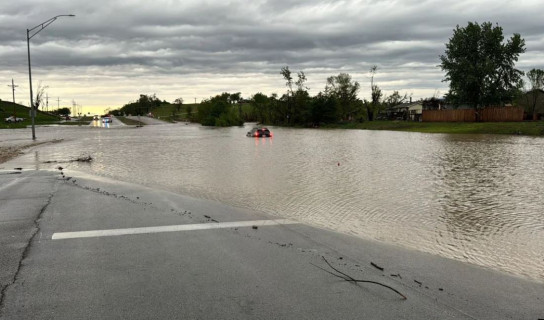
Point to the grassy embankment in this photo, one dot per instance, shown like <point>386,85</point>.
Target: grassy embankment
<point>531,128</point>
<point>7,109</point>
<point>169,112</point>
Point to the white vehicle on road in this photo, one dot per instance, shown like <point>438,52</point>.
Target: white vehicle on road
<point>13,119</point>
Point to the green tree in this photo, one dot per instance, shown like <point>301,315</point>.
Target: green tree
<point>235,98</point>
<point>154,100</point>
<point>276,109</point>
<point>536,80</point>
<point>432,103</point>
<point>344,90</point>
<point>376,94</point>
<point>395,99</point>
<point>145,103</point>
<point>296,101</point>
<point>40,92</point>
<point>324,109</point>
<point>480,67</point>
<point>178,102</point>
<point>286,73</point>
<point>218,111</point>
<point>189,110</point>
<point>260,102</point>
<point>301,100</point>
<point>62,111</point>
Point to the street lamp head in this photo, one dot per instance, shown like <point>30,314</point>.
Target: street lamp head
<point>71,15</point>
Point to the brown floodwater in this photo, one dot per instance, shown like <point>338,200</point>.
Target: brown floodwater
<point>474,198</point>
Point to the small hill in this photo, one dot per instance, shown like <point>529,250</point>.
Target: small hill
<point>8,108</point>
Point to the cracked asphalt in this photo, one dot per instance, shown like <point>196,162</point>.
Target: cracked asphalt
<point>236,272</point>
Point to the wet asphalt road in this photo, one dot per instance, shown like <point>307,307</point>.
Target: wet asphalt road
<point>276,271</point>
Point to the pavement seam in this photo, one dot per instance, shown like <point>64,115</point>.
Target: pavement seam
<point>26,251</point>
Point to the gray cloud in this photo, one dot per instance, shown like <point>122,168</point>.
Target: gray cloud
<point>179,40</point>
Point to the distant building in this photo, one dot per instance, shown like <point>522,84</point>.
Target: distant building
<point>406,111</point>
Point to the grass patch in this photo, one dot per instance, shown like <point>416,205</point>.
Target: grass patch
<point>531,128</point>
<point>8,108</point>
<point>170,112</point>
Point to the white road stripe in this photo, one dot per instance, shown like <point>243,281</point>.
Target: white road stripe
<point>183,227</point>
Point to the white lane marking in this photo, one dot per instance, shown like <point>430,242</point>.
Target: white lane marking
<point>183,227</point>
<point>17,179</point>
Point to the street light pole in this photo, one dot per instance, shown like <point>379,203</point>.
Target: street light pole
<point>29,36</point>
<point>30,81</point>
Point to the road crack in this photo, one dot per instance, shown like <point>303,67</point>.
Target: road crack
<point>26,251</point>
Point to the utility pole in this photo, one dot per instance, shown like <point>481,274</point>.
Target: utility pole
<point>47,102</point>
<point>58,103</point>
<point>13,86</point>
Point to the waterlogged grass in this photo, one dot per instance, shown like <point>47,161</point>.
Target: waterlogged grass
<point>531,128</point>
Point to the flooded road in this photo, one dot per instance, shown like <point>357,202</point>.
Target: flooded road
<point>474,198</point>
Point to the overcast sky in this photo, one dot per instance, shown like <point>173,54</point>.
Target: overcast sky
<point>114,50</point>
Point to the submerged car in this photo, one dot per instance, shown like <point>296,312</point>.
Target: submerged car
<point>259,132</point>
<point>106,119</point>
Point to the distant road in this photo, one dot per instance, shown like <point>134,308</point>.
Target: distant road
<point>115,123</point>
<point>147,120</point>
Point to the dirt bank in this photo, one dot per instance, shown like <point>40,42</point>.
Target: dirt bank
<point>8,152</point>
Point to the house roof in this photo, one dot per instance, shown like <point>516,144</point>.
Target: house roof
<point>541,91</point>
<point>405,105</point>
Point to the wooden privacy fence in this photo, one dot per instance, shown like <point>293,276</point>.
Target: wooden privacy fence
<point>459,115</point>
<point>490,114</point>
<point>498,114</point>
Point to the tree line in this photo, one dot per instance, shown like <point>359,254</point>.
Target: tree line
<point>479,66</point>
<point>338,102</point>
<point>142,106</point>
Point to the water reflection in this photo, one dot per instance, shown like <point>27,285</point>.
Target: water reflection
<point>263,141</point>
<point>472,198</point>
<point>99,124</point>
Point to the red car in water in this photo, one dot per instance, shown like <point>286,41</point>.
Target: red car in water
<point>259,132</point>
